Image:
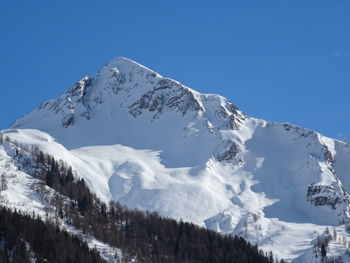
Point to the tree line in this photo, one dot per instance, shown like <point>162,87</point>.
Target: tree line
<point>144,236</point>
<point>24,238</point>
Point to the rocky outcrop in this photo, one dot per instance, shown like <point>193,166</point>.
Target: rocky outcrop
<point>166,95</point>
<point>324,195</point>
<point>231,154</point>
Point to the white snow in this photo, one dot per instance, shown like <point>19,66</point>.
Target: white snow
<point>21,194</point>
<point>153,144</point>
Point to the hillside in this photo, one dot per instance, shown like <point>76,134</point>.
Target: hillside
<point>153,144</point>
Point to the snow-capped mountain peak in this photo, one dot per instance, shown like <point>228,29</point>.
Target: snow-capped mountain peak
<point>122,91</point>
<point>152,143</point>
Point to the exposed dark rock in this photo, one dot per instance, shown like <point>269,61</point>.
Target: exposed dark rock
<point>302,132</point>
<point>167,94</point>
<point>328,155</point>
<point>68,120</point>
<point>230,154</point>
<point>323,195</point>
<point>79,89</point>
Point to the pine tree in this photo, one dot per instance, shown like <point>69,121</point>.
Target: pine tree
<point>323,252</point>
<point>3,182</point>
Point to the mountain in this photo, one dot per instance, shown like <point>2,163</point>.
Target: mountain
<point>78,227</point>
<point>151,143</point>
<point>346,139</point>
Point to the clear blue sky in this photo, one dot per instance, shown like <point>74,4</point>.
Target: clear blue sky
<point>283,60</point>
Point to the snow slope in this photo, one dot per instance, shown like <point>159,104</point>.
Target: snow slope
<point>22,194</point>
<point>152,143</point>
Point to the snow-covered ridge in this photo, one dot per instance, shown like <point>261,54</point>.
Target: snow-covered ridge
<point>152,143</point>
<point>127,85</point>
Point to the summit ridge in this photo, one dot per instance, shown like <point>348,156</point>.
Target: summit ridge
<point>152,143</point>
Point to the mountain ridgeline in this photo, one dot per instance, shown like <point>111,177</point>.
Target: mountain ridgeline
<point>132,137</point>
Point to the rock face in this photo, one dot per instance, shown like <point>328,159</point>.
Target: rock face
<point>325,195</point>
<point>161,98</point>
<point>152,143</point>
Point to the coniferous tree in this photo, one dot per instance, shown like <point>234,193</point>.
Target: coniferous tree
<point>145,237</point>
<point>3,182</point>
<point>323,252</point>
